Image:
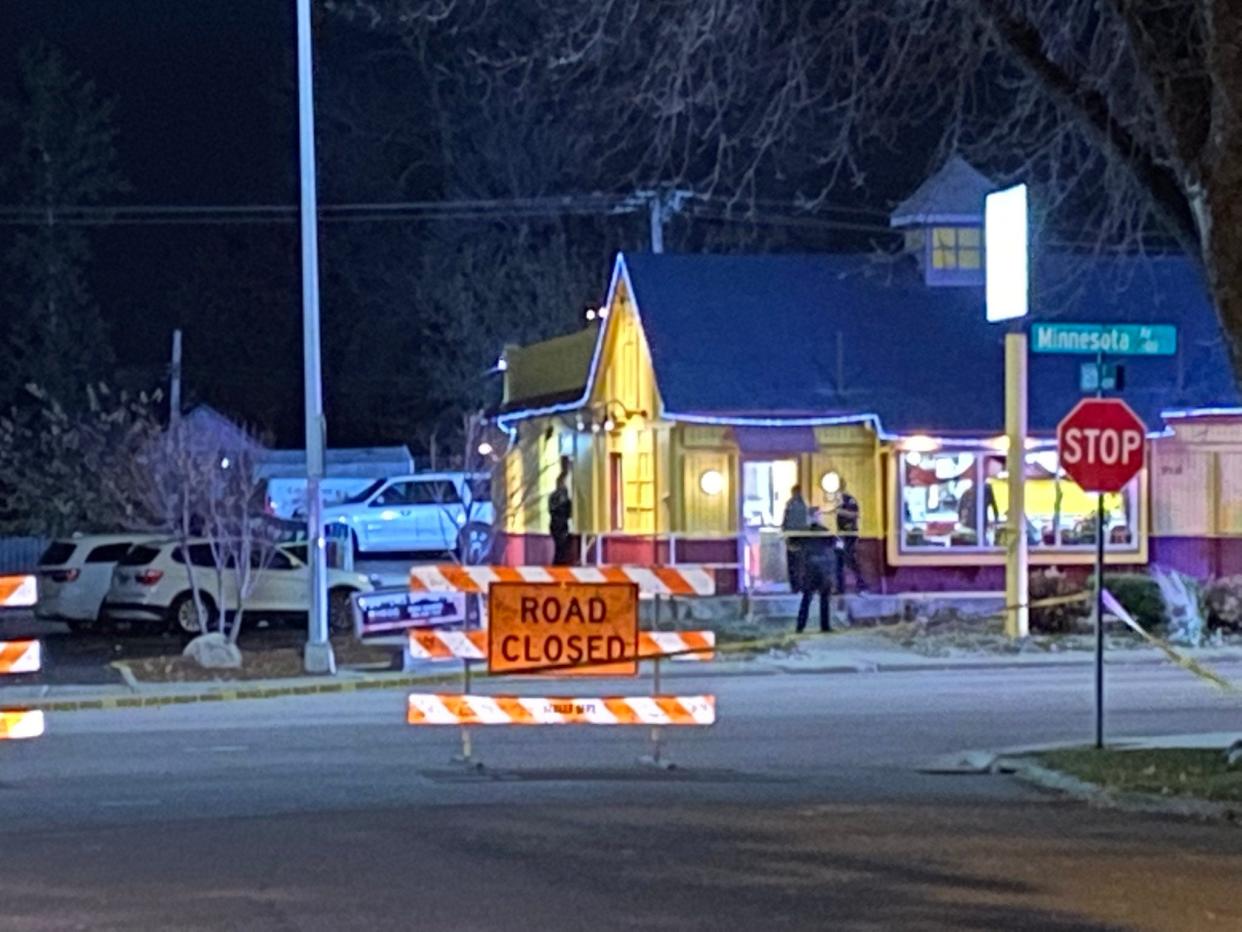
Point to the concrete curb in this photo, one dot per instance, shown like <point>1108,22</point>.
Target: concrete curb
<point>227,694</point>
<point>1095,795</point>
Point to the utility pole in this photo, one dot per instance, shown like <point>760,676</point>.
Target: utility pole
<point>657,207</point>
<point>174,381</point>
<point>318,656</point>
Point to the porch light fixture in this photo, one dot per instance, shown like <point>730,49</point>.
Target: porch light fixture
<point>485,449</point>
<point>711,482</point>
<point>830,482</point>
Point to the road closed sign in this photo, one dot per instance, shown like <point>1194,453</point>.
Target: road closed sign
<point>1101,444</point>
<point>578,629</point>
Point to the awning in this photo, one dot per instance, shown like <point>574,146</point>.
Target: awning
<point>759,441</point>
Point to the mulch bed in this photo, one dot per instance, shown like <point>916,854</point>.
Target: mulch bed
<point>277,663</point>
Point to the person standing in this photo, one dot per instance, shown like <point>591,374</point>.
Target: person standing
<point>848,514</point>
<point>560,513</point>
<point>794,520</point>
<point>819,559</point>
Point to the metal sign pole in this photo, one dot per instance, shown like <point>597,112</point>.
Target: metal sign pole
<point>1099,623</point>
<point>1099,585</point>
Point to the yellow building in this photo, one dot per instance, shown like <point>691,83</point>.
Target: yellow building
<point>712,385</point>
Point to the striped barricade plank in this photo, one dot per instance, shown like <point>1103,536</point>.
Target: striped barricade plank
<point>17,724</point>
<point>448,645</point>
<point>452,709</point>
<point>651,580</point>
<point>18,591</point>
<point>20,657</point>
<point>472,645</point>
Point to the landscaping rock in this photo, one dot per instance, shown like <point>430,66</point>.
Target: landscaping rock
<point>214,652</point>
<point>1233,755</point>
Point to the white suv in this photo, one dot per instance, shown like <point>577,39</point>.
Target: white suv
<point>75,573</point>
<point>445,511</point>
<point>151,583</point>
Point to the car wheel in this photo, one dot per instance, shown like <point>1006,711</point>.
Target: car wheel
<point>474,543</point>
<point>183,615</point>
<point>340,611</point>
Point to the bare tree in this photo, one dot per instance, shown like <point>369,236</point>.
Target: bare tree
<point>203,487</point>
<point>1125,114</point>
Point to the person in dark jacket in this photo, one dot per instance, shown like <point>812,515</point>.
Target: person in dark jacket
<point>794,519</point>
<point>560,512</point>
<point>848,513</point>
<point>818,557</point>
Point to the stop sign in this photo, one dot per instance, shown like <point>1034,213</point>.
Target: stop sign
<point>1101,444</point>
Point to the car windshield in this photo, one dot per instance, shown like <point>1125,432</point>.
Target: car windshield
<point>360,497</point>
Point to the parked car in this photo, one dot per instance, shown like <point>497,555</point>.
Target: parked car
<point>151,583</point>
<point>440,512</point>
<point>75,573</point>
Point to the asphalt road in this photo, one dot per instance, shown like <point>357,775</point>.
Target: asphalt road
<point>804,808</point>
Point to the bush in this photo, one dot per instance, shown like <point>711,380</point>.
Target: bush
<point>1063,618</point>
<point>1139,595</point>
<point>1222,599</point>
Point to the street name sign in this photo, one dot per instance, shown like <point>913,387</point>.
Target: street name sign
<point>589,628</point>
<point>1104,339</point>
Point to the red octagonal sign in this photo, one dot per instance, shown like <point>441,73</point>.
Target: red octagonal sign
<point>1101,444</point>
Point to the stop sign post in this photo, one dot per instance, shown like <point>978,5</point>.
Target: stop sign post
<point>1101,445</point>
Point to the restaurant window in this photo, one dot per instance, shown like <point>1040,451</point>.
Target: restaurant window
<point>960,500</point>
<point>956,248</point>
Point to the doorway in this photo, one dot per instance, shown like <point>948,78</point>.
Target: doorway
<point>766,487</point>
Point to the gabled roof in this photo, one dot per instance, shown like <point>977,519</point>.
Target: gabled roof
<point>954,194</point>
<point>549,372</point>
<point>789,339</point>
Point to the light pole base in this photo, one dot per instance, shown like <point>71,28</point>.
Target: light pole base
<point>319,659</point>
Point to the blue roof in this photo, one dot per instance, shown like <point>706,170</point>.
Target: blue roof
<point>757,337</point>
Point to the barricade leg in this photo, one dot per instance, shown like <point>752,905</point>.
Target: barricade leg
<point>656,757</point>
<point>466,756</point>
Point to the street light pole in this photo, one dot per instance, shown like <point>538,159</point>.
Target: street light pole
<point>317,657</point>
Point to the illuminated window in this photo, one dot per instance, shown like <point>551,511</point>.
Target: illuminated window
<point>956,248</point>
<point>941,504</point>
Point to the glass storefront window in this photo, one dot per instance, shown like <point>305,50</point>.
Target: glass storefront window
<point>942,506</point>
<point>938,499</point>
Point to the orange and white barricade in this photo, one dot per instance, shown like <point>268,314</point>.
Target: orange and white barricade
<point>20,657</point>
<point>18,591</point>
<point>455,709</point>
<point>430,644</point>
<point>18,724</point>
<point>686,580</point>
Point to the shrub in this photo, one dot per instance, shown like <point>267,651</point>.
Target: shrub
<point>1139,595</point>
<point>1062,618</point>
<point>1222,600</point>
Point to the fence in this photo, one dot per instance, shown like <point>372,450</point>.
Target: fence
<point>20,554</point>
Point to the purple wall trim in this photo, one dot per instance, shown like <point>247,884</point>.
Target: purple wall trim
<point>1200,557</point>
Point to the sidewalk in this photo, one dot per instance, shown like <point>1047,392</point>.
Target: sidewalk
<point>837,653</point>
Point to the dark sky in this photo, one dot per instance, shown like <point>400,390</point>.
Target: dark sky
<point>201,120</point>
<point>196,81</point>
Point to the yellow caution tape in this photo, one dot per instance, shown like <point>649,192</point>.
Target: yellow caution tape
<point>1115,608</point>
